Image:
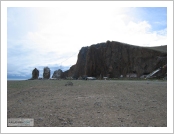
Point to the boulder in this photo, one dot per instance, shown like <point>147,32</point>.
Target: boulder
<point>69,83</point>
<point>57,74</point>
<point>35,74</point>
<point>46,73</point>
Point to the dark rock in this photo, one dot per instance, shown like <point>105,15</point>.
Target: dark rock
<point>57,74</point>
<point>114,59</point>
<point>69,73</point>
<point>69,84</point>
<point>98,104</point>
<point>35,74</point>
<point>46,73</point>
<point>72,73</point>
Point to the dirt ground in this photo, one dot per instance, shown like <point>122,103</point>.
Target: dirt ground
<point>92,103</point>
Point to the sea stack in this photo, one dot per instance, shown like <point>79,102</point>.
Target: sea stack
<point>35,73</point>
<point>46,73</point>
<point>57,74</point>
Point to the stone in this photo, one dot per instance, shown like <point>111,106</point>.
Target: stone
<point>35,73</point>
<point>69,83</point>
<point>57,74</point>
<point>46,73</point>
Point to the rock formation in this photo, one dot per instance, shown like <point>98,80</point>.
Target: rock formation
<point>69,83</point>
<point>57,74</point>
<point>69,73</point>
<point>113,59</point>
<point>35,74</point>
<point>46,73</point>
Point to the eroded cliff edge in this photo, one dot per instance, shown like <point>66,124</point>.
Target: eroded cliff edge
<point>113,59</point>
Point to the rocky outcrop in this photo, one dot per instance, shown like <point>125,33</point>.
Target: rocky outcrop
<point>69,73</point>
<point>46,73</point>
<point>35,74</point>
<point>113,59</point>
<point>57,74</point>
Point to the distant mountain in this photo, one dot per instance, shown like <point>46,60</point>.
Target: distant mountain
<point>159,48</point>
<point>12,77</point>
<point>115,59</point>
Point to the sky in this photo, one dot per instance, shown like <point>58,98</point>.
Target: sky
<point>52,36</point>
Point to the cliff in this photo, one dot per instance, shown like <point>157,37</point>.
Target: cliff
<point>113,59</point>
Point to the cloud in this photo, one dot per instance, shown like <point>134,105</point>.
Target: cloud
<point>89,26</point>
<point>54,36</point>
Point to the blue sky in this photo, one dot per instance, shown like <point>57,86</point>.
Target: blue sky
<point>49,36</point>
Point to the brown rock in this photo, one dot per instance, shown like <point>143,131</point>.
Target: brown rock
<point>57,74</point>
<point>46,73</point>
<point>35,74</point>
<point>69,83</point>
<point>114,59</point>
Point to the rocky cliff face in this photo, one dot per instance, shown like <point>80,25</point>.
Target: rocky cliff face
<point>114,59</point>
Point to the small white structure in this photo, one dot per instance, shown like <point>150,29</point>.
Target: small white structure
<point>105,78</point>
<point>131,75</point>
<point>121,76</point>
<point>90,78</point>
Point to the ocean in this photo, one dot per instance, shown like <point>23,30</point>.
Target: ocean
<point>15,79</point>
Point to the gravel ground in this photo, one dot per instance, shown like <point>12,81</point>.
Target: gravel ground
<point>93,103</point>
